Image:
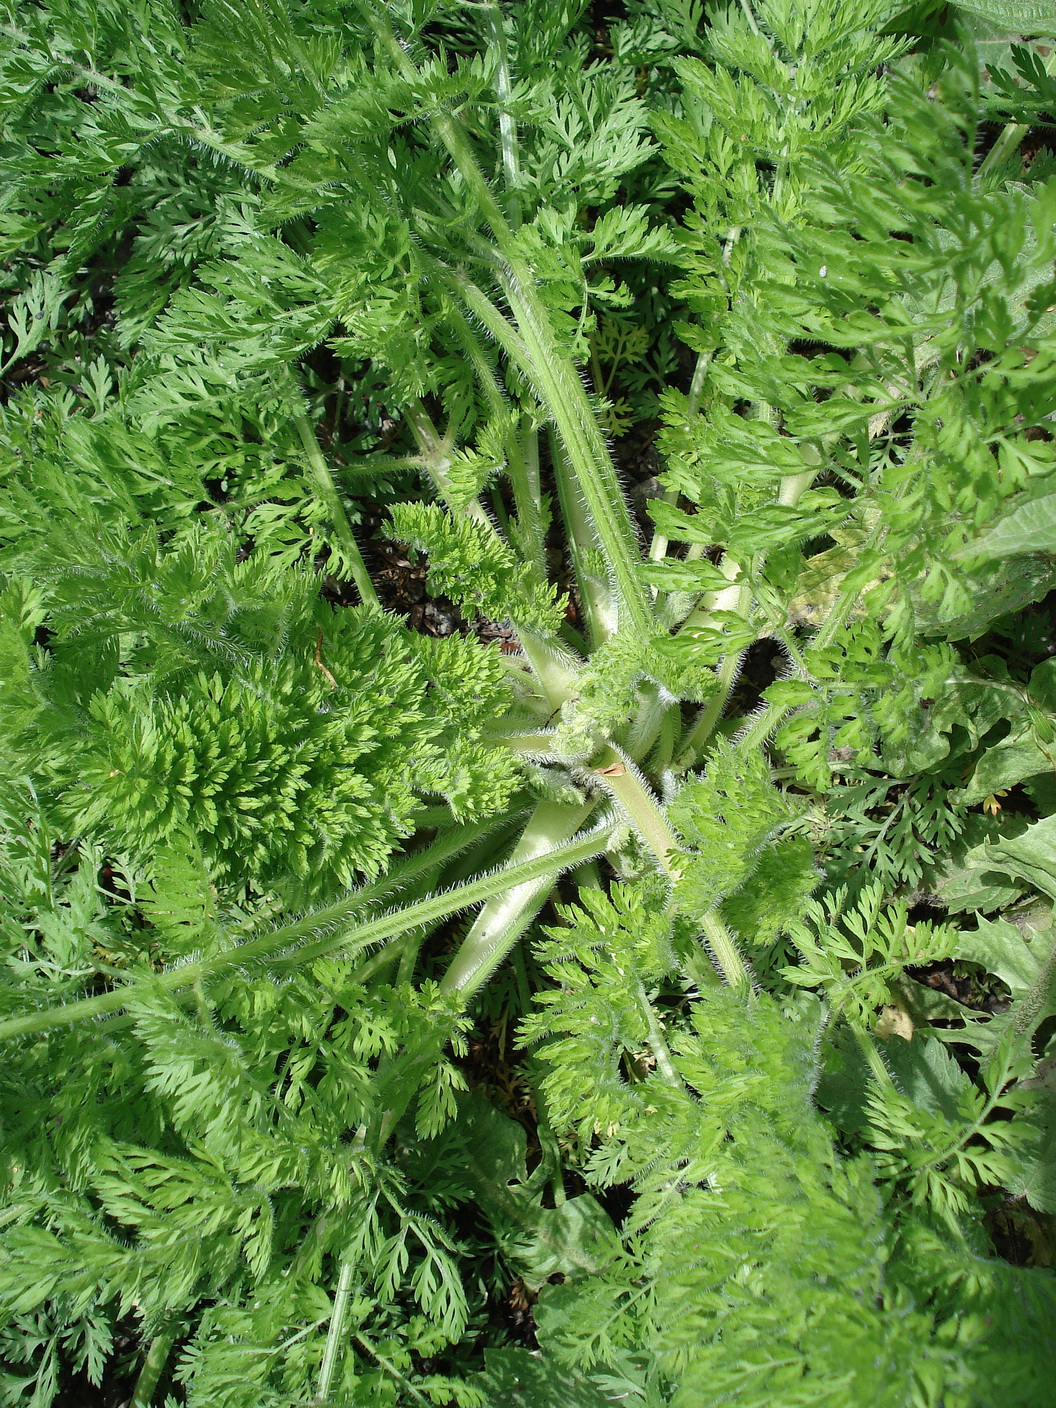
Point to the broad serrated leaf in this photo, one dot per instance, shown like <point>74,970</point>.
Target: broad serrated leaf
<point>1004,950</point>
<point>1029,528</point>
<point>1014,16</point>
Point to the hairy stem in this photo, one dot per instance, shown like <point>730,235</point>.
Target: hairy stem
<point>647,722</point>
<point>724,950</point>
<point>529,342</point>
<point>506,915</point>
<point>336,509</point>
<point>621,779</point>
<point>538,868</point>
<point>436,453</point>
<point>522,466</point>
<point>551,370</point>
<point>562,392</point>
<point>554,667</point>
<point>511,165</point>
<point>595,600</point>
<point>336,1331</point>
<point>658,1042</point>
<point>157,1356</point>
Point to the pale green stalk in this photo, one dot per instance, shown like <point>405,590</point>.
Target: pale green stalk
<point>506,915</point>
<point>157,1356</point>
<point>384,958</point>
<point>522,462</point>
<point>761,725</point>
<point>437,453</point>
<point>725,952</point>
<point>658,1043</point>
<point>511,164</point>
<point>648,721</point>
<point>522,466</point>
<point>532,344</point>
<point>735,598</point>
<point>557,382</point>
<point>336,1331</point>
<point>563,393</point>
<point>554,667</point>
<point>621,779</point>
<point>178,126</point>
<point>503,919</point>
<point>667,740</point>
<point>750,17</point>
<point>528,745</point>
<point>877,1068</point>
<point>1008,140</point>
<point>415,873</point>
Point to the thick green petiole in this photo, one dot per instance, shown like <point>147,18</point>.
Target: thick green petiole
<point>336,1333</point>
<point>1012,135</point>
<point>511,165</point>
<point>522,466</point>
<point>617,775</point>
<point>724,951</point>
<point>562,391</point>
<point>529,342</point>
<point>506,916</point>
<point>153,1366</point>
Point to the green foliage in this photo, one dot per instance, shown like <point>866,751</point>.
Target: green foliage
<point>729,816</point>
<point>283,275</point>
<point>183,696</point>
<point>468,564</point>
<point>852,957</point>
<point>741,1218</point>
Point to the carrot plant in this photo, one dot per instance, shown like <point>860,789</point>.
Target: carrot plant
<point>724,810</point>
